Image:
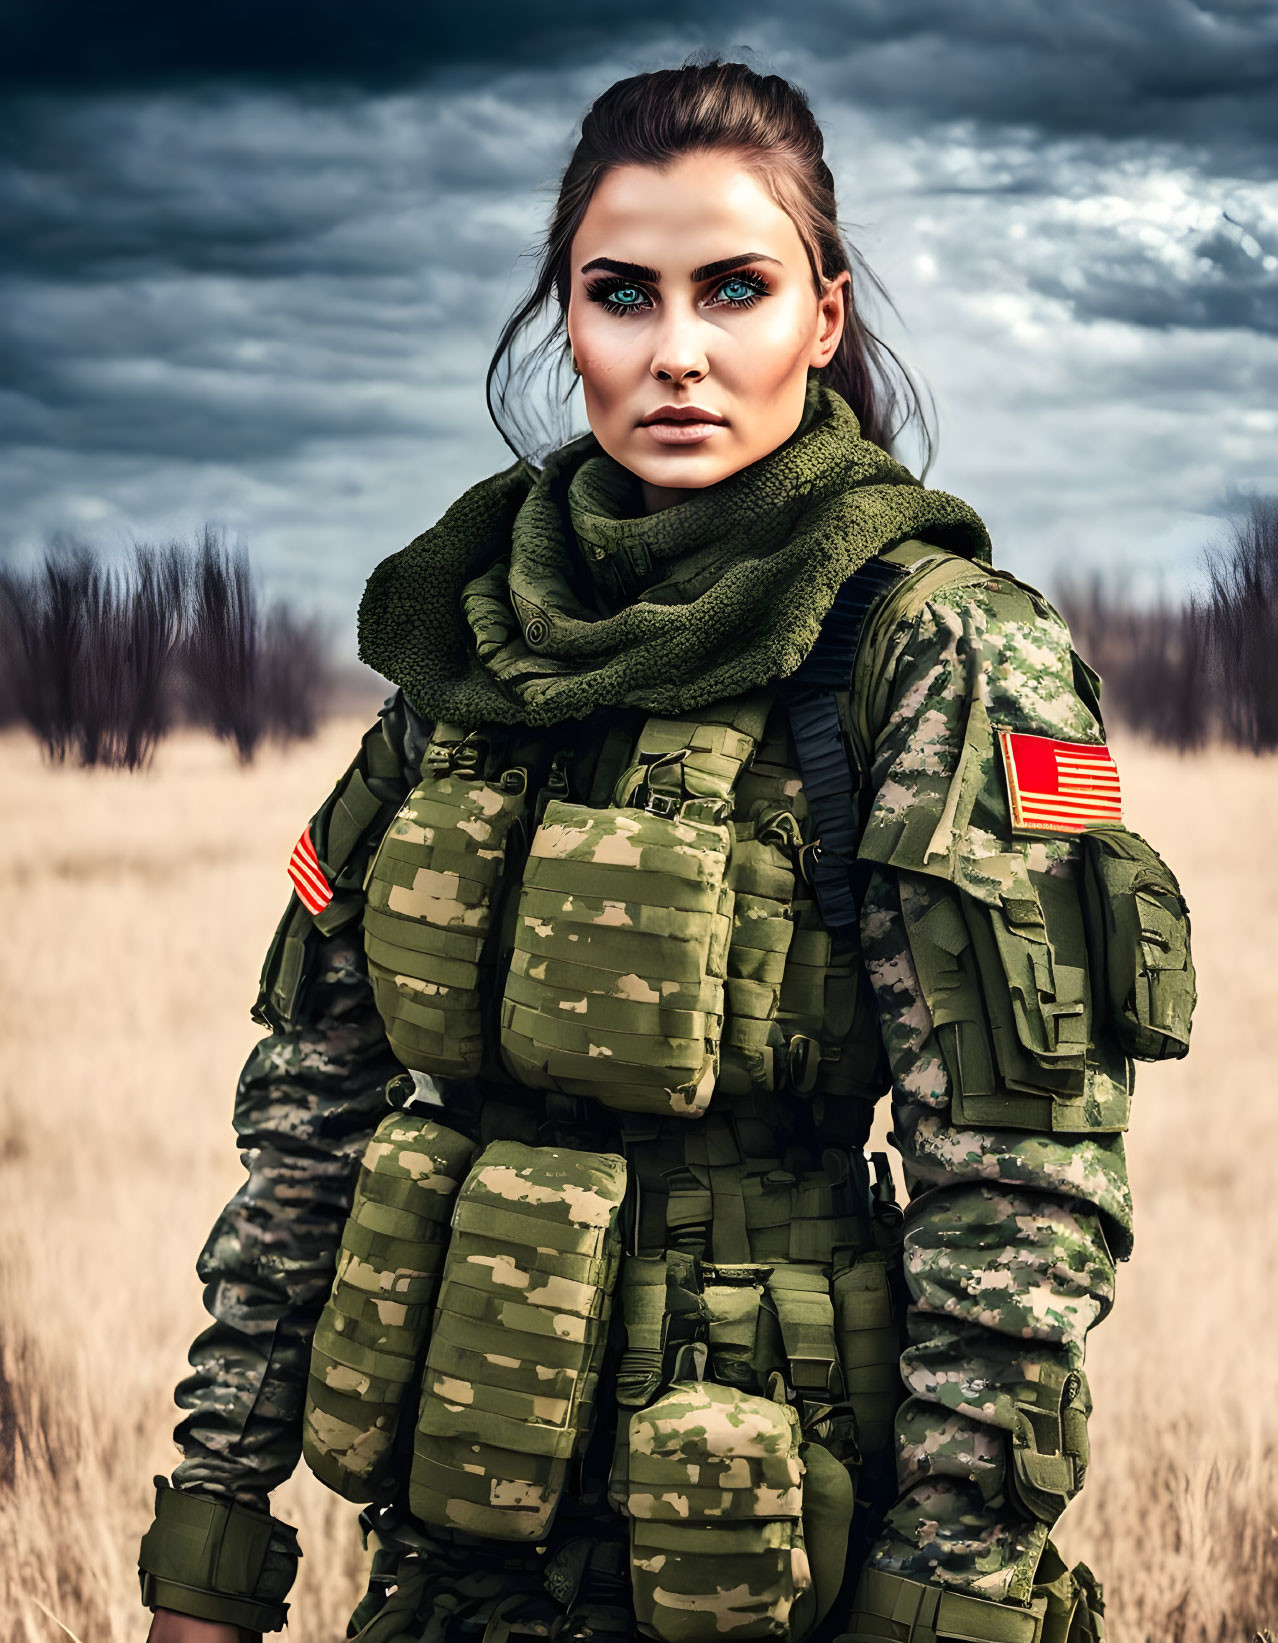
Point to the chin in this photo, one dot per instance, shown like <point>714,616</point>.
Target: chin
<point>686,473</point>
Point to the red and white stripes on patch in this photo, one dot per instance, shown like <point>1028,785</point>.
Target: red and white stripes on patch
<point>308,876</point>
<point>1059,787</point>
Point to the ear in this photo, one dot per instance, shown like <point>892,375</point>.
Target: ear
<point>831,317</point>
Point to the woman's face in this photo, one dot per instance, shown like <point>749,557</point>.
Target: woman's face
<point>693,319</point>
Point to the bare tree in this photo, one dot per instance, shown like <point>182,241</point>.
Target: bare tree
<point>99,662</point>
<point>1242,620</point>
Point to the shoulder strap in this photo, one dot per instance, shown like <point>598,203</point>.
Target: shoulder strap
<point>828,703</point>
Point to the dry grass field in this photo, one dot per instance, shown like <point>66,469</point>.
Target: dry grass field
<point>138,909</point>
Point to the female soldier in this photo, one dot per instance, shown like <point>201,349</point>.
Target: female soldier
<point>726,787</point>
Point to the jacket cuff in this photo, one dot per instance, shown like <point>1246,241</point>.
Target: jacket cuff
<point>216,1560</point>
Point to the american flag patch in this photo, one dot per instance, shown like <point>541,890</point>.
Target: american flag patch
<point>1059,787</point>
<point>308,876</point>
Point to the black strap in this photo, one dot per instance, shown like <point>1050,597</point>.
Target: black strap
<point>834,785</point>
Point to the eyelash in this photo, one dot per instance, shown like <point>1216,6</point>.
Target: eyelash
<point>601,292</point>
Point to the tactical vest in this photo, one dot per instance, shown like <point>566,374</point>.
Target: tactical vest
<point>677,956</point>
<point>640,954</point>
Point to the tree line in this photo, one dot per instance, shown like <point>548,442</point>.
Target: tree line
<point>101,662</point>
<point>1204,669</point>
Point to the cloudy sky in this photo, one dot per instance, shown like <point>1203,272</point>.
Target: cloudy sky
<point>255,255</point>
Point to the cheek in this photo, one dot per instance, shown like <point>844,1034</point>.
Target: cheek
<point>602,346</point>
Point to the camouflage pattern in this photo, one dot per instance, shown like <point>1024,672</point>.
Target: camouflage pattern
<point>429,905</point>
<point>1010,1232</point>
<point>715,1504</point>
<point>615,989</point>
<point>306,1104</point>
<point>1010,1236</point>
<point>517,1339</point>
<point>305,1107</point>
<point>374,1325</point>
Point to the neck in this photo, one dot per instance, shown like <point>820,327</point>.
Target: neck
<point>657,497</point>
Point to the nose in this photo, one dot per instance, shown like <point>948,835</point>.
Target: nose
<point>679,355</point>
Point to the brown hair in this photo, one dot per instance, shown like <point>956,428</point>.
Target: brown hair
<point>653,119</point>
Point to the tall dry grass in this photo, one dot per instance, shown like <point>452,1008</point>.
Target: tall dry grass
<point>137,909</point>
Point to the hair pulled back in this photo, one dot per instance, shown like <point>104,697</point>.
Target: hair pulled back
<point>654,119</point>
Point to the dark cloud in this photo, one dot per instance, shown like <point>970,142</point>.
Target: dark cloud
<point>250,284</point>
<point>1205,72</point>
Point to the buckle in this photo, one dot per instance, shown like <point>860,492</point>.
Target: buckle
<point>714,811</point>
<point>514,781</point>
<point>661,804</point>
<point>809,855</point>
<point>803,1062</point>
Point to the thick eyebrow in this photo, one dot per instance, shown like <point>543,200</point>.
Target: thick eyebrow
<point>631,270</point>
<point>712,270</point>
<point>708,271</point>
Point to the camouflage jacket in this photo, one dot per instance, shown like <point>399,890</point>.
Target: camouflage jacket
<point>312,1090</point>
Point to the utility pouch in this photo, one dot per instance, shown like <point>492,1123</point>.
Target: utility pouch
<point>1138,932</point>
<point>368,1342</point>
<point>715,1502</point>
<point>1006,982</point>
<point>517,1339</point>
<point>869,1341</point>
<point>827,1013</point>
<point>1049,1444</point>
<point>615,988</point>
<point>430,894</point>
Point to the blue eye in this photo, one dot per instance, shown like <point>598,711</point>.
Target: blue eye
<point>618,299</point>
<point>741,290</point>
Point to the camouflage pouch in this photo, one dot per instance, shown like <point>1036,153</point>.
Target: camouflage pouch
<point>368,1342</point>
<point>616,983</point>
<point>615,989</point>
<point>517,1339</point>
<point>431,895</point>
<point>715,1501</point>
<point>1138,931</point>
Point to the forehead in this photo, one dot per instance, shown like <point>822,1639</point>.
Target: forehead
<point>701,208</point>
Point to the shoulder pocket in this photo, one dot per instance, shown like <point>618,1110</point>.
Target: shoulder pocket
<point>284,968</point>
<point>1138,932</point>
<point>1006,984</point>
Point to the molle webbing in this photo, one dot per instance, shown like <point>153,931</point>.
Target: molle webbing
<point>889,1608</point>
<point>750,1320</point>
<point>370,1335</point>
<point>725,1190</point>
<point>517,1339</point>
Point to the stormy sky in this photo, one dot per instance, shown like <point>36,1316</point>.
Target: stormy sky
<point>255,255</point>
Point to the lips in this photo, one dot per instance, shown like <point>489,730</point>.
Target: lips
<point>680,413</point>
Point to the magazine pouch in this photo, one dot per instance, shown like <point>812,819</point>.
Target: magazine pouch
<point>616,985</point>
<point>1138,933</point>
<point>369,1339</point>
<point>517,1338</point>
<point>431,892</point>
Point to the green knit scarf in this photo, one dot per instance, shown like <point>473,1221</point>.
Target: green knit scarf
<point>541,596</point>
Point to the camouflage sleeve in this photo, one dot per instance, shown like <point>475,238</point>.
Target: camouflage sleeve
<point>307,1100</point>
<point>1010,1236</point>
<point>1001,655</point>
